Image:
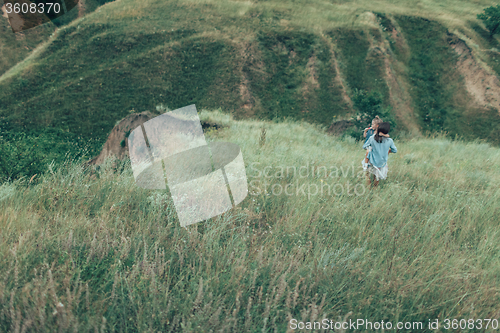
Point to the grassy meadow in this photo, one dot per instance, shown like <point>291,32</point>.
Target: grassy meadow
<point>84,249</point>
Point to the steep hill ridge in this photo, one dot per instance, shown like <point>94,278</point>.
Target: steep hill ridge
<point>269,60</point>
<point>480,82</point>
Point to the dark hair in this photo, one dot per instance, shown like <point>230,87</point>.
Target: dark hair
<point>382,128</point>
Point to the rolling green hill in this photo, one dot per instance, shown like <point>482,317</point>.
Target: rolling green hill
<point>14,48</point>
<point>304,60</point>
<point>84,249</point>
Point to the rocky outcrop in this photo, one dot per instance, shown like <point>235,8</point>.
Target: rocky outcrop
<point>116,144</point>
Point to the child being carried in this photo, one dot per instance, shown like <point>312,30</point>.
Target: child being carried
<point>376,158</point>
<point>369,131</point>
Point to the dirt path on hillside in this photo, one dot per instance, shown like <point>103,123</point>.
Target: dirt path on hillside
<point>16,20</point>
<point>399,95</point>
<point>114,146</point>
<point>4,12</point>
<point>400,98</point>
<point>481,85</point>
<point>338,78</point>
<point>250,61</point>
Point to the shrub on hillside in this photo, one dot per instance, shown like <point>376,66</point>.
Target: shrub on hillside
<point>25,155</point>
<point>491,19</point>
<point>20,157</point>
<point>369,105</point>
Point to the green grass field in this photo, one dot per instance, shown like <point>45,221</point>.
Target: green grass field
<point>85,249</point>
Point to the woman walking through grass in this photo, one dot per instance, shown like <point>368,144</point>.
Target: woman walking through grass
<point>375,162</point>
<point>369,131</point>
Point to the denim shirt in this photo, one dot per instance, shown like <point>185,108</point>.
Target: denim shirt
<point>379,154</point>
<point>369,133</point>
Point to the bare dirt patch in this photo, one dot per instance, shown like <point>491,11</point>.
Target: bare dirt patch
<point>480,84</point>
<point>310,84</point>
<point>339,127</point>
<point>116,144</point>
<point>250,61</point>
<point>400,44</point>
<point>312,74</point>
<point>16,20</point>
<point>399,96</point>
<point>338,78</point>
<point>245,94</point>
<point>4,12</point>
<point>81,8</point>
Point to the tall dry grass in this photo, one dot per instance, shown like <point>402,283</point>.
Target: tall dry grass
<point>86,250</point>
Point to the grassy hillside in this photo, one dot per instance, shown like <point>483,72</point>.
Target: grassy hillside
<point>270,60</point>
<point>15,47</point>
<point>438,91</point>
<point>84,250</point>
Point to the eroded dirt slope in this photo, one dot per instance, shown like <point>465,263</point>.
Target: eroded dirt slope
<point>480,82</point>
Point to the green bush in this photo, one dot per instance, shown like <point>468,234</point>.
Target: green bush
<point>369,105</point>
<point>29,154</point>
<point>353,132</point>
<point>491,19</point>
<point>20,157</point>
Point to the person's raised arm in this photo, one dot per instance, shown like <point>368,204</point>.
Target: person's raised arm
<point>364,132</point>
